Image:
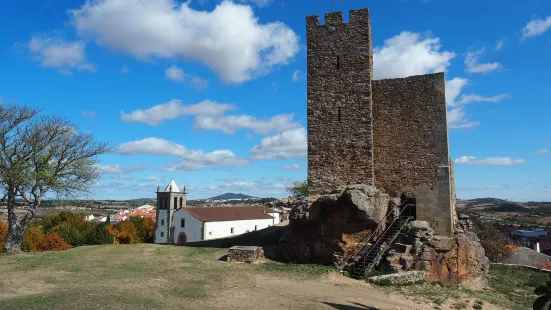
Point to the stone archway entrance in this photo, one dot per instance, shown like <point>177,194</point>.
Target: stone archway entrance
<point>182,238</point>
<point>408,205</point>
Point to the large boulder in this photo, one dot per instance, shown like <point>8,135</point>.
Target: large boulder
<point>459,259</point>
<point>323,225</point>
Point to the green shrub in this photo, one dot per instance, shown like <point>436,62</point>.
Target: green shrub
<point>100,235</point>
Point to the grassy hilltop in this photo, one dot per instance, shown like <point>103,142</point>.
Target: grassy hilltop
<point>146,276</point>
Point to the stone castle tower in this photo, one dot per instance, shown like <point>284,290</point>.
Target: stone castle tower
<point>168,201</point>
<point>388,133</point>
<point>340,70</point>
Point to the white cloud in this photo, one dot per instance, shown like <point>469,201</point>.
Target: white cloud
<point>409,54</point>
<point>499,44</point>
<point>176,74</point>
<point>229,40</point>
<point>153,179</point>
<point>298,76</point>
<point>473,66</point>
<point>542,151</point>
<point>289,144</point>
<point>490,161</point>
<point>231,123</point>
<point>122,177</point>
<point>455,103</point>
<point>111,185</point>
<point>116,169</point>
<point>125,69</point>
<point>291,167</point>
<point>89,114</point>
<point>536,27</point>
<point>174,109</point>
<point>190,159</point>
<point>247,186</point>
<point>453,89</point>
<point>57,53</point>
<point>465,99</point>
<point>457,120</point>
<point>259,3</point>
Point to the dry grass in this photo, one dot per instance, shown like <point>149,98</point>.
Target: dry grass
<point>146,276</point>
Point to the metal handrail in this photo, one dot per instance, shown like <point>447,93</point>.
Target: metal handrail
<point>390,242</point>
<point>364,241</point>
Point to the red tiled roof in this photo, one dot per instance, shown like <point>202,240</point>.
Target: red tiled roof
<point>228,214</point>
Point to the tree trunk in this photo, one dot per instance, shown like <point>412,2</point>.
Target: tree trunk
<point>16,232</point>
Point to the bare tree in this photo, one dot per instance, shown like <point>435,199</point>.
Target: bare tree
<point>41,155</point>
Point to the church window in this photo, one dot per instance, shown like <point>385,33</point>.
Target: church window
<point>162,234</point>
<point>175,202</point>
<point>162,222</point>
<point>339,114</point>
<point>232,230</point>
<point>183,222</point>
<point>181,201</point>
<point>338,62</point>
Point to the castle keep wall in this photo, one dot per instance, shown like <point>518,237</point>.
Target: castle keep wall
<point>411,144</point>
<point>340,70</point>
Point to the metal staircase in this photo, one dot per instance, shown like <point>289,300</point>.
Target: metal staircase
<point>371,249</point>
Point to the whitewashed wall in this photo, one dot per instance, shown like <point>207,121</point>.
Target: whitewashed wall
<point>192,227</point>
<point>276,217</point>
<point>162,216</point>
<point>214,230</point>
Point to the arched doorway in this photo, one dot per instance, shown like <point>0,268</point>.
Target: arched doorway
<point>182,238</point>
<point>408,205</point>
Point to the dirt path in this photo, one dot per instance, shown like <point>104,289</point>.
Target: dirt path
<point>333,292</point>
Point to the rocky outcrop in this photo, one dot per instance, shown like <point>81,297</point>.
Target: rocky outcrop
<point>323,225</point>
<point>451,260</point>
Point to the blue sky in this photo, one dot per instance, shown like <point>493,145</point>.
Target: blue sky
<point>213,93</point>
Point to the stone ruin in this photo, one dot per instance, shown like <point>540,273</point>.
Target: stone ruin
<point>376,148</point>
<point>324,227</point>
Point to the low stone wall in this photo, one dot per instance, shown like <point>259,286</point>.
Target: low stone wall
<point>522,266</point>
<point>402,278</point>
<point>242,254</point>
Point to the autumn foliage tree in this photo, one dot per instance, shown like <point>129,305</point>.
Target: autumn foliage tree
<point>145,228</point>
<point>50,242</point>
<point>3,234</point>
<point>77,232</point>
<point>125,232</point>
<point>32,236</point>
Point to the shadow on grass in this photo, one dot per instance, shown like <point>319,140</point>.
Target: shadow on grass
<point>356,306</point>
<point>266,237</point>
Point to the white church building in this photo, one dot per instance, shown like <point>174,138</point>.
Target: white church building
<point>179,224</point>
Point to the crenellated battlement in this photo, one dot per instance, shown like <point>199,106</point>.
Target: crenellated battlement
<point>336,18</point>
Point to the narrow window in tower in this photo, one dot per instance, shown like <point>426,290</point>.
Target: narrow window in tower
<point>338,62</point>
<point>339,114</point>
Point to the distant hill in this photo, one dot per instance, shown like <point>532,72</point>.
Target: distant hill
<point>230,196</point>
<point>487,200</point>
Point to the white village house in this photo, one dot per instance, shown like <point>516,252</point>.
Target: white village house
<point>178,224</point>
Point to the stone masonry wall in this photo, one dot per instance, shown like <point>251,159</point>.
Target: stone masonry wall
<point>411,144</point>
<point>340,70</point>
